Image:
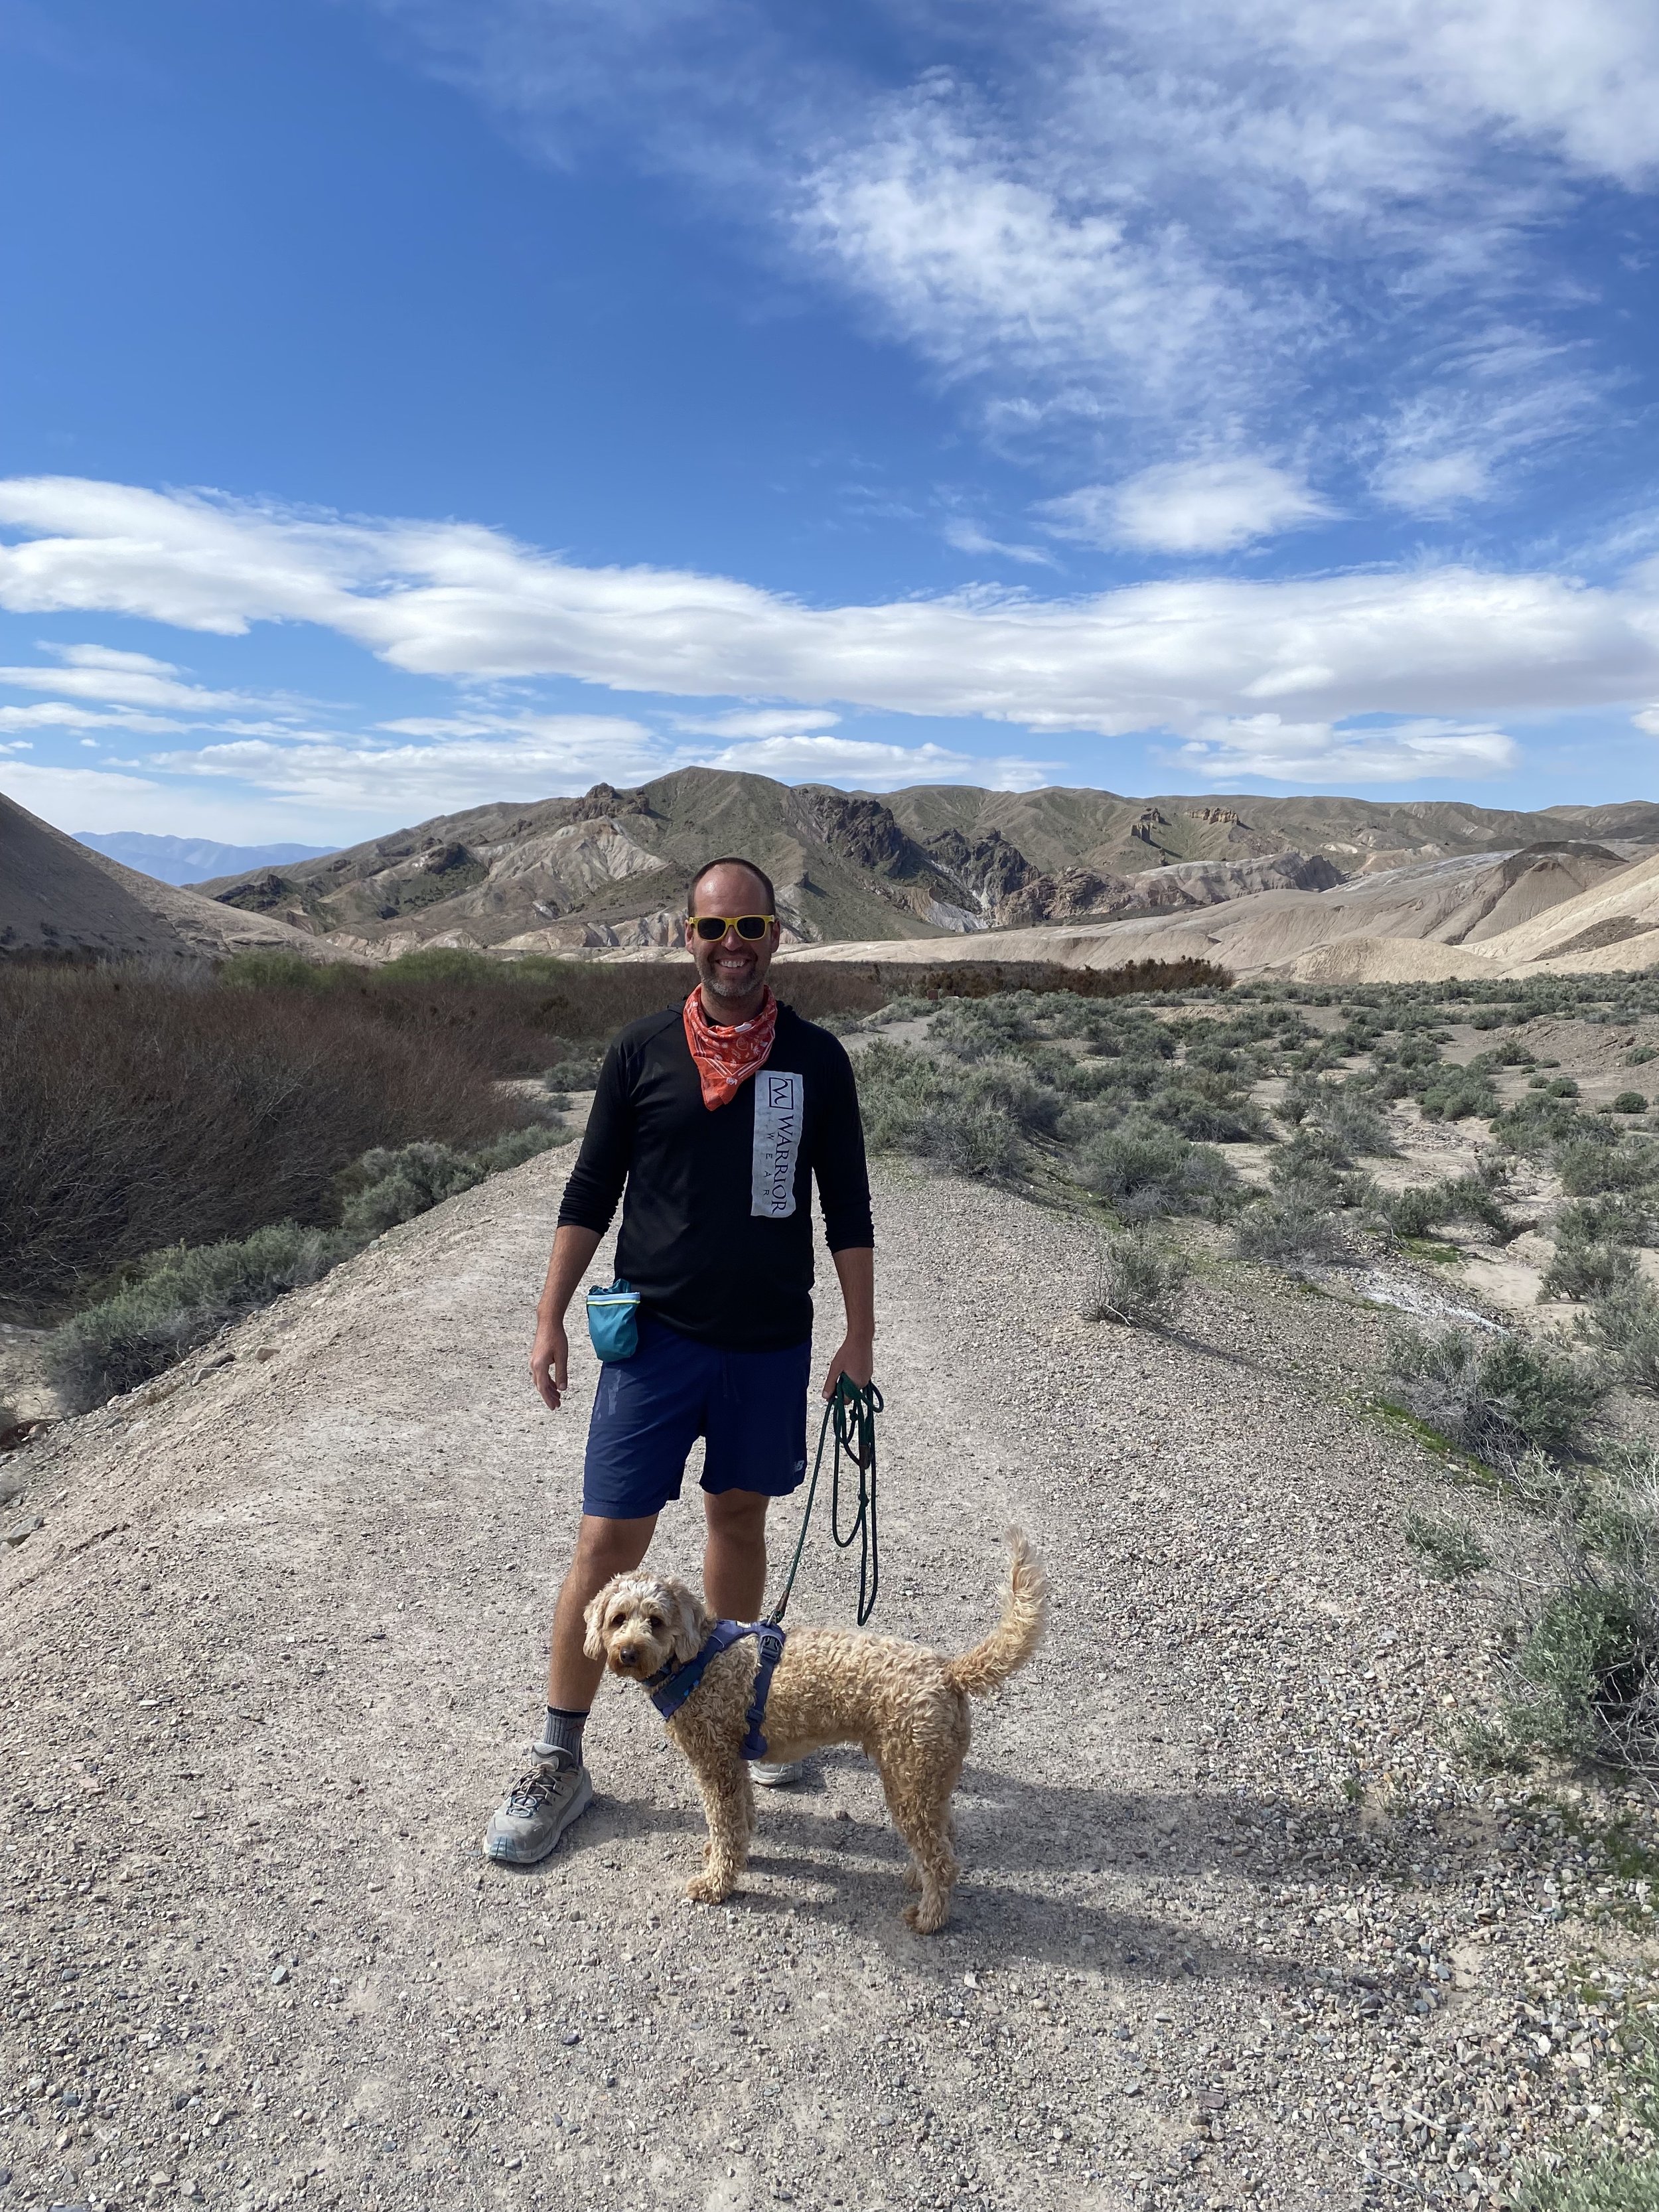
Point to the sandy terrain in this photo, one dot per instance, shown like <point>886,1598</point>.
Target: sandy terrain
<point>1235,1927</point>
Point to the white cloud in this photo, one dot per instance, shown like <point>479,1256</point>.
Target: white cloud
<point>463,761</point>
<point>1216,213</point>
<point>118,678</point>
<point>871,765</point>
<point>1315,752</point>
<point>968,538</point>
<point>1188,507</point>
<point>69,714</point>
<point>758,722</point>
<point>458,601</point>
<point>1648,719</point>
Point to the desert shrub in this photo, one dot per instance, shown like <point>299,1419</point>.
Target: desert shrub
<point>968,1121</point>
<point>1591,1164</point>
<point>1617,1217</point>
<point>1588,1661</point>
<point>1588,1269</point>
<point>1139,1279</point>
<point>1630,1102</point>
<point>1535,1124</point>
<point>904,1008</point>
<point>173,1300</point>
<point>1617,2181</point>
<point>1623,1323</point>
<point>1455,1093</point>
<point>1449,1548</point>
<point>1144,1170</point>
<point>1495,1397</point>
<point>1352,1118</point>
<point>1421,1208</point>
<point>1289,1230</point>
<point>139,1113</point>
<point>1208,1109</point>
<point>176,1301</point>
<point>980,1029</point>
<point>581,1074</point>
<point>398,1185</point>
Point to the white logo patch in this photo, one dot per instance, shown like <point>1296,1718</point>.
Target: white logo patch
<point>779,1104</point>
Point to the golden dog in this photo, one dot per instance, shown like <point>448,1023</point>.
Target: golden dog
<point>905,1706</point>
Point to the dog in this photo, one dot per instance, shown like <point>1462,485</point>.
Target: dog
<point>905,1706</point>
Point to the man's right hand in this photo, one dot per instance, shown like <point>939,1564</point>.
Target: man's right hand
<point>549,1362</point>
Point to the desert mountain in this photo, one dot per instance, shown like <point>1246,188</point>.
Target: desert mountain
<point>58,896</point>
<point>187,859</point>
<point>609,870</point>
<point>1476,914</point>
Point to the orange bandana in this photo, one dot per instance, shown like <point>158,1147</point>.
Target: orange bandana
<point>726,1058</point>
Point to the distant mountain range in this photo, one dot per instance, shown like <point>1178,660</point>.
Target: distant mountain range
<point>609,869</point>
<point>191,859</point>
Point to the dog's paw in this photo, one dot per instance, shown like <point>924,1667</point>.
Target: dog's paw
<point>927,1915</point>
<point>705,1890</point>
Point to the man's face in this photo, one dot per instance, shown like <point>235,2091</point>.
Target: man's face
<point>734,968</point>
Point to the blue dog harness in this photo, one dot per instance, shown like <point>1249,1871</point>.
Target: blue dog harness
<point>671,1686</point>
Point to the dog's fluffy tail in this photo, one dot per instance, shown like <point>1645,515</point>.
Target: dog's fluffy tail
<point>1016,1636</point>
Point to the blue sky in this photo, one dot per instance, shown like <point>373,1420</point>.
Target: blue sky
<point>408,404</point>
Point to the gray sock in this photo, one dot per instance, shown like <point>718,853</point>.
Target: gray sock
<point>563,1733</point>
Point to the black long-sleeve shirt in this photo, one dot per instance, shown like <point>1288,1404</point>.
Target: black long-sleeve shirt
<point>717,1232</point>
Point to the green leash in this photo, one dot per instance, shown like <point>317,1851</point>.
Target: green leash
<point>851,1416</point>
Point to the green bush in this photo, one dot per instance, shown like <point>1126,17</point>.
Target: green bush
<point>970,1120</point>
<point>1587,1661</point>
<point>398,1185</point>
<point>1144,1170</point>
<point>1421,1208</point>
<point>1618,2181</point>
<point>1590,1164</point>
<point>1140,1280</point>
<point>1289,1230</point>
<point>1624,1324</point>
<point>1494,1398</point>
<point>1588,1269</point>
<point>1456,1093</point>
<point>177,1300</point>
<point>1447,1548</point>
<point>1208,1109</point>
<point>1630,1102</point>
<point>580,1074</point>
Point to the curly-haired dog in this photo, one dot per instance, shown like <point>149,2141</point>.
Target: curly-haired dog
<point>906,1707</point>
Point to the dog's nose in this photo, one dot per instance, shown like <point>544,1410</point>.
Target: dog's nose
<point>626,1654</point>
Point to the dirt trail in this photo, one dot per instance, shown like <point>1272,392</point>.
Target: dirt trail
<point>1228,1930</point>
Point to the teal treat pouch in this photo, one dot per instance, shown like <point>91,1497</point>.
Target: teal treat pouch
<point>613,1319</point>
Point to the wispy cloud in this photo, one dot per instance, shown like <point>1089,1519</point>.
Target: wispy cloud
<point>460,602</point>
<point>872,766</point>
<point>1235,223</point>
<point>1316,753</point>
<point>1188,507</point>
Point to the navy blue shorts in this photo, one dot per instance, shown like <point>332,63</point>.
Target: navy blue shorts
<point>751,1407</point>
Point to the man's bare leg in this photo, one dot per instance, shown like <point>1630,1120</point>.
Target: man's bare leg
<point>734,1553</point>
<point>542,1803</point>
<point>604,1548</point>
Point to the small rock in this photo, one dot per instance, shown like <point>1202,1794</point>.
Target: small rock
<point>278,1975</point>
<point>22,1530</point>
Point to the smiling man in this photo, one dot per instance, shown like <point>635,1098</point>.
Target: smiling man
<point>710,1123</point>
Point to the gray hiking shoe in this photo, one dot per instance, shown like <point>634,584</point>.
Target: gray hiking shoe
<point>540,1806</point>
<point>777,1773</point>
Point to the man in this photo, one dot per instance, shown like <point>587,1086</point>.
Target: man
<point>716,1117</point>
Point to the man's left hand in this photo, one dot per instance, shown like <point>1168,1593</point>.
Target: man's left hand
<point>855,1360</point>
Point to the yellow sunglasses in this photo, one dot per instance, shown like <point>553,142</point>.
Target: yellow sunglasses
<point>711,927</point>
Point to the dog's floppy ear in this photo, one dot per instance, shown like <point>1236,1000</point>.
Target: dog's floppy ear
<point>692,1622</point>
<point>592,1642</point>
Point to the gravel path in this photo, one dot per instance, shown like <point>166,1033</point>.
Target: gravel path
<point>1233,1930</point>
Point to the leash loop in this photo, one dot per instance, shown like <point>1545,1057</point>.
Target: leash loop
<point>850,1419</point>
